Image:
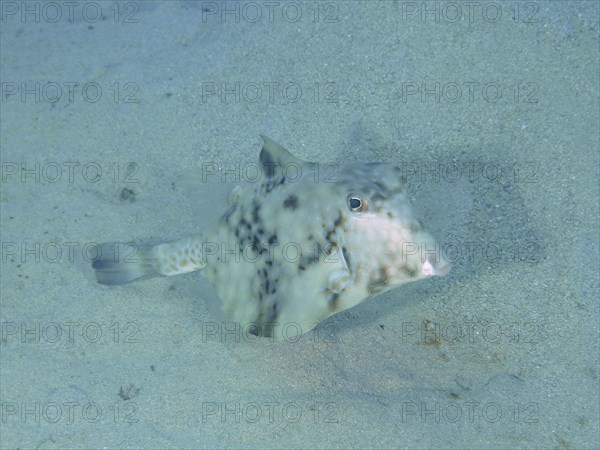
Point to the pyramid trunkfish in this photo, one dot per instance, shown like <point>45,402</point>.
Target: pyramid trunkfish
<point>299,244</point>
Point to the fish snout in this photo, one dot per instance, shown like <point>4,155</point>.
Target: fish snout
<point>435,265</point>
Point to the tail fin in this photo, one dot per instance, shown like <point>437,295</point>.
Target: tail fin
<point>119,264</point>
<point>113,266</point>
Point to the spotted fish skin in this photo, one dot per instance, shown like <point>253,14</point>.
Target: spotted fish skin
<point>302,243</point>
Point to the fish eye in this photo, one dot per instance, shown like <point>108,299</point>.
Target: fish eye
<point>356,204</point>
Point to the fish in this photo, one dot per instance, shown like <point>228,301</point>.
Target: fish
<point>299,243</point>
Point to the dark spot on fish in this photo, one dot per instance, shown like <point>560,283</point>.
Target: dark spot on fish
<point>268,187</point>
<point>272,239</point>
<point>330,247</point>
<point>409,271</point>
<point>255,211</point>
<point>379,283</point>
<point>338,221</point>
<point>291,202</point>
<point>389,214</point>
<point>274,310</point>
<point>333,301</point>
<point>301,267</point>
<point>255,244</point>
<point>269,310</point>
<point>319,249</point>
<point>260,328</point>
<point>311,259</point>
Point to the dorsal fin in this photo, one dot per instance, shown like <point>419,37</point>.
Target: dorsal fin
<point>275,159</point>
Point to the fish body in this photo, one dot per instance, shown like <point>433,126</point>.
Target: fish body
<point>301,243</point>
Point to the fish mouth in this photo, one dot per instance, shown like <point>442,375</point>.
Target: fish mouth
<point>431,267</point>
